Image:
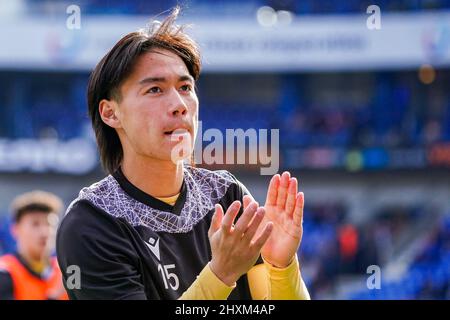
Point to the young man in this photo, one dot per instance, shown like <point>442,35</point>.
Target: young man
<point>156,228</point>
<point>31,273</point>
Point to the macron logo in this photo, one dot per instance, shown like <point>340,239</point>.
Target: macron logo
<point>153,245</point>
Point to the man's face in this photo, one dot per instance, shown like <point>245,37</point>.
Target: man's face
<point>158,98</point>
<point>35,232</point>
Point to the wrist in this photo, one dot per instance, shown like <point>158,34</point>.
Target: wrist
<point>228,279</point>
<point>279,264</point>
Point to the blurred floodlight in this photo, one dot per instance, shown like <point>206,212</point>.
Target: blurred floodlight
<point>427,74</point>
<point>267,16</point>
<point>284,17</point>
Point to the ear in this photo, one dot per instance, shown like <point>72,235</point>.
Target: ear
<point>14,230</point>
<point>108,110</point>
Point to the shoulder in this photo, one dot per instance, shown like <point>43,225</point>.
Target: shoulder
<point>84,226</point>
<point>99,194</point>
<point>6,262</point>
<point>220,182</point>
<point>6,281</point>
<point>84,218</point>
<point>90,207</point>
<point>6,285</point>
<point>210,175</point>
<point>88,235</point>
<point>82,212</point>
<point>5,276</point>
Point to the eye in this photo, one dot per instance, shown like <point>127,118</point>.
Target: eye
<point>154,90</point>
<point>186,87</point>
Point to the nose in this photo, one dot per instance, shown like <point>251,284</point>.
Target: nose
<point>45,231</point>
<point>178,106</point>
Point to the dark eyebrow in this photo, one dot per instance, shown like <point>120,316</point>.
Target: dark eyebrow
<point>162,79</point>
<point>186,78</point>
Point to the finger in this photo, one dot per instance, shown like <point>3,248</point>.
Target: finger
<point>282,190</point>
<point>298,211</point>
<point>272,192</point>
<point>216,220</point>
<point>230,215</point>
<point>291,196</point>
<point>243,222</point>
<point>261,240</point>
<point>247,200</point>
<point>253,227</point>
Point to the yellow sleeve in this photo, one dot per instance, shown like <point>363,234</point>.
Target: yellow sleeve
<point>258,281</point>
<point>207,286</point>
<point>270,283</point>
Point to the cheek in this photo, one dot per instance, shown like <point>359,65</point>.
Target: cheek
<point>195,110</point>
<point>35,230</point>
<point>28,235</point>
<point>194,103</point>
<point>140,123</point>
<point>150,125</point>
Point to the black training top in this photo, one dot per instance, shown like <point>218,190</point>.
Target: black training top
<point>130,245</point>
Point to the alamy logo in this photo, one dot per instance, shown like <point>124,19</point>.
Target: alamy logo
<point>374,280</point>
<point>73,277</point>
<point>153,245</point>
<point>374,20</point>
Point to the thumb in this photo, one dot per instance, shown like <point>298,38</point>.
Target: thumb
<point>216,220</point>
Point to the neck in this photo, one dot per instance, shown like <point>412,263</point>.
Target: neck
<point>155,177</point>
<point>32,260</point>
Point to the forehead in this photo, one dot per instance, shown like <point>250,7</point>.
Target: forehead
<point>158,62</point>
<point>33,215</point>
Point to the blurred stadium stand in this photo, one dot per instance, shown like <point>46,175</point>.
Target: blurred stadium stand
<point>234,7</point>
<point>427,277</point>
<point>371,145</point>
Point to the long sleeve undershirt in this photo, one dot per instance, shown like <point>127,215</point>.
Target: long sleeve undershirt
<point>266,282</point>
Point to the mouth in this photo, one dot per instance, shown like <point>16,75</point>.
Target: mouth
<point>177,131</point>
<point>42,243</point>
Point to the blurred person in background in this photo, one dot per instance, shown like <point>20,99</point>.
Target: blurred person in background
<point>31,273</point>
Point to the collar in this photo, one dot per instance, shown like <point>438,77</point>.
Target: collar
<point>147,199</point>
